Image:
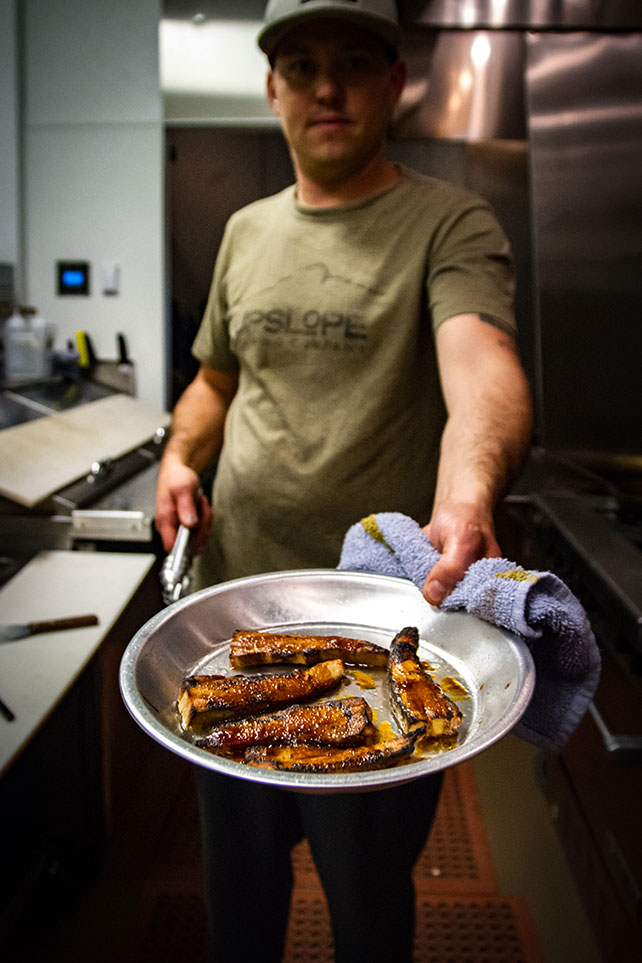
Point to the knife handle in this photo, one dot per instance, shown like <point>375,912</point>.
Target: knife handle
<point>56,625</point>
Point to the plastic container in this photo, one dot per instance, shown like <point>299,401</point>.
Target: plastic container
<point>28,344</point>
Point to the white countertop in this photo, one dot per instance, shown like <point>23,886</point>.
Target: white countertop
<point>37,671</point>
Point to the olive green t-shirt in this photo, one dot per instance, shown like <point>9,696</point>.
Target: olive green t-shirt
<point>328,316</point>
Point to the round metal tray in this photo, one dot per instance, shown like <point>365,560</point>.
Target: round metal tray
<point>192,636</point>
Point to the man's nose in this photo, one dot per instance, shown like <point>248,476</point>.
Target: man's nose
<point>328,84</point>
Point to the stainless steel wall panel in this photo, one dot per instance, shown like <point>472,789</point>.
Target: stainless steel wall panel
<point>584,98</point>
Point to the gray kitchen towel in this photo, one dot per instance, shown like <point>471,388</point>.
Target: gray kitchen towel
<point>536,605</point>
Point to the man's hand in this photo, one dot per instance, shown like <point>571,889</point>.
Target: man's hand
<point>462,536</point>
<point>196,438</point>
<point>179,501</point>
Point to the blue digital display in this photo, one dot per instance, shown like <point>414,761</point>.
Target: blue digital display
<point>73,277</point>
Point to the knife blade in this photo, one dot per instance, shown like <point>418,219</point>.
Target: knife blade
<point>123,354</point>
<point>8,713</point>
<point>11,633</point>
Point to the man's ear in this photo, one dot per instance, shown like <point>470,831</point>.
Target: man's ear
<point>271,93</point>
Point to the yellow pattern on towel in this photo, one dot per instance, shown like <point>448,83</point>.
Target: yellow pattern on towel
<point>518,575</point>
<point>370,525</point>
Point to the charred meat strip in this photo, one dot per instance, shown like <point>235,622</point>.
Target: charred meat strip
<point>381,755</point>
<point>263,648</point>
<point>415,698</point>
<point>341,722</point>
<point>217,697</point>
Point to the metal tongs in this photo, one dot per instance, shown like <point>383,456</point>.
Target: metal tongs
<point>175,571</point>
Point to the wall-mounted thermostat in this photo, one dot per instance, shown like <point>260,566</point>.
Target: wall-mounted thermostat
<point>109,273</point>
<point>72,277</point>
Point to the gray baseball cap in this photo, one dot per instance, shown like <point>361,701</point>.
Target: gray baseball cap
<point>379,16</point>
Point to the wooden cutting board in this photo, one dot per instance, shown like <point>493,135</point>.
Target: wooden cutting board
<point>42,456</point>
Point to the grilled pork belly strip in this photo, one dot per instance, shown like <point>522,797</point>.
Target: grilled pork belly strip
<point>415,698</point>
<point>265,648</point>
<point>310,759</point>
<point>213,698</point>
<point>341,722</point>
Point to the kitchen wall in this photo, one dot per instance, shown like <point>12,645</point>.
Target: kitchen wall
<point>93,172</point>
<point>9,181</point>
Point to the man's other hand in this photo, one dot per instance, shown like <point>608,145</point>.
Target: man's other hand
<point>462,537</point>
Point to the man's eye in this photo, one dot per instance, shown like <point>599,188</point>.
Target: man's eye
<point>357,62</point>
<point>359,65</point>
<point>301,69</point>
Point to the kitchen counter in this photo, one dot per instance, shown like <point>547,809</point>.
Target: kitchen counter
<point>36,672</point>
<point>42,456</point>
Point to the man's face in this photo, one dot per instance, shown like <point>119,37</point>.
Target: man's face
<point>334,89</point>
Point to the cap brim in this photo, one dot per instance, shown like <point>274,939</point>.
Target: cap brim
<point>387,30</point>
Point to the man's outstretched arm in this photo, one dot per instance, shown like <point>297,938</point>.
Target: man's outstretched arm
<point>484,444</point>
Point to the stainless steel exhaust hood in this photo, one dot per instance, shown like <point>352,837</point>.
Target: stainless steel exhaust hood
<point>465,59</point>
<point>523,14</point>
<point>462,85</point>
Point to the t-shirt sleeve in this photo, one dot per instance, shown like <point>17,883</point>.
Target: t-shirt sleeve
<point>211,345</point>
<point>471,268</point>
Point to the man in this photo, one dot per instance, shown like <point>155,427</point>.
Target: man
<point>357,355</point>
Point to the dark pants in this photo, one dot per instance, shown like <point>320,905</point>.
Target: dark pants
<point>364,845</point>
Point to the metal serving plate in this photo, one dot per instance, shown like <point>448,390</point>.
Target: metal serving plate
<point>192,636</point>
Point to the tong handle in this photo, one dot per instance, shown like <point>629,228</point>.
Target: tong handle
<point>175,569</point>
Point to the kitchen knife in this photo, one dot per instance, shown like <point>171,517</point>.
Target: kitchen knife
<point>125,365</point>
<point>8,713</point>
<point>123,354</point>
<point>10,633</point>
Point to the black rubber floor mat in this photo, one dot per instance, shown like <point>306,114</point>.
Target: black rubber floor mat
<point>486,929</point>
<point>452,929</point>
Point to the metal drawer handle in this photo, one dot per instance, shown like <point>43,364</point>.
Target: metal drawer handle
<point>623,875</point>
<point>623,749</point>
<point>99,469</point>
